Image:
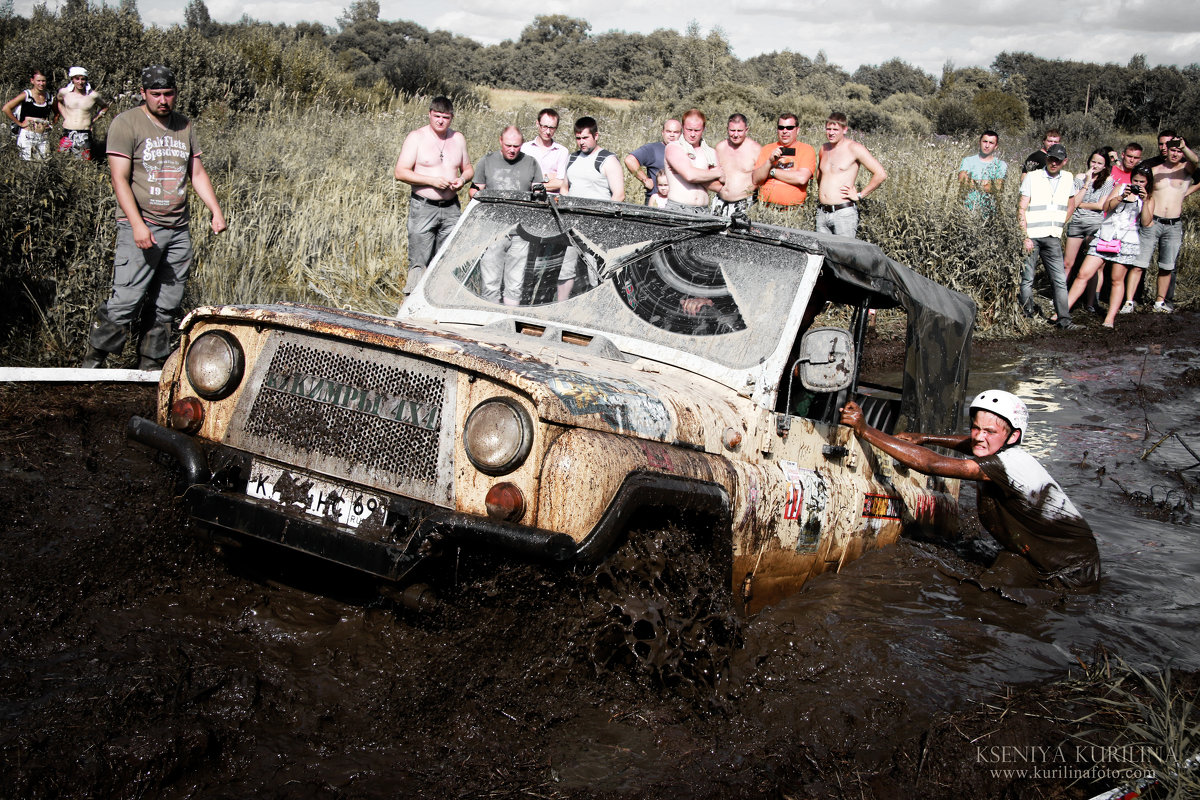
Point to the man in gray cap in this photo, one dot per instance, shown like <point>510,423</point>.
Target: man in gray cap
<point>1045,195</point>
<point>152,154</point>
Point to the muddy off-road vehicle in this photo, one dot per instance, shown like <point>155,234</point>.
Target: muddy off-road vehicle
<point>564,368</point>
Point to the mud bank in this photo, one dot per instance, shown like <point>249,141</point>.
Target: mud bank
<point>137,661</point>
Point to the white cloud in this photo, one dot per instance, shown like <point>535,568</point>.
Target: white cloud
<point>925,33</point>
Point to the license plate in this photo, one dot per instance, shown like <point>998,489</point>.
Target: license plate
<point>316,496</point>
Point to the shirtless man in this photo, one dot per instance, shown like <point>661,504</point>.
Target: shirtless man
<point>1172,179</point>
<point>76,105</point>
<point>435,163</point>
<point>837,171</point>
<point>692,167</point>
<point>736,155</point>
<point>783,170</point>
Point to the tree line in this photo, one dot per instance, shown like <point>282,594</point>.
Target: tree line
<point>364,58</point>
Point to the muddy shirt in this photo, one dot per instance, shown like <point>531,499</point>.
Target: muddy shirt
<point>1027,511</point>
<point>493,171</point>
<point>161,157</point>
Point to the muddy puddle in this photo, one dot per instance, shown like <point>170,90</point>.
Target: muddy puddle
<point>136,662</point>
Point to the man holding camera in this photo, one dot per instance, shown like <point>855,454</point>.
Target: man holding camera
<point>1172,180</point>
<point>782,170</point>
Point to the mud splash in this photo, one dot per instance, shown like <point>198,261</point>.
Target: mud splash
<point>136,662</point>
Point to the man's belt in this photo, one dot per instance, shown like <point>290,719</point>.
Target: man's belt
<point>453,201</point>
<point>1167,220</point>
<point>838,207</point>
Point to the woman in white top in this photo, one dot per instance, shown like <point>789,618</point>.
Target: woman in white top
<point>1117,241</point>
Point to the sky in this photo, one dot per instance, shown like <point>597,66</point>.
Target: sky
<point>925,33</point>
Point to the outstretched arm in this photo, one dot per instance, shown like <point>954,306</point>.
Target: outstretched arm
<point>913,455</point>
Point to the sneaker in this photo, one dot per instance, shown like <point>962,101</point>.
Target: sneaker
<point>1162,307</point>
<point>1068,325</point>
<point>1128,308</point>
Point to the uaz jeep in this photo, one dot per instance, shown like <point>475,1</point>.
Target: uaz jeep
<point>563,366</point>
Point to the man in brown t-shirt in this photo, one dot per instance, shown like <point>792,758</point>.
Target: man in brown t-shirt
<point>152,155</point>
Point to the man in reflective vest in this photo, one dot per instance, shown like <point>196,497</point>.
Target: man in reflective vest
<point>1045,194</point>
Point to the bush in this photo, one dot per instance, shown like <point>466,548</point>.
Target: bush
<point>864,116</point>
<point>208,71</point>
<point>1096,126</point>
<point>1001,111</point>
<point>955,118</point>
<point>907,103</point>
<point>102,39</point>
<point>56,242</point>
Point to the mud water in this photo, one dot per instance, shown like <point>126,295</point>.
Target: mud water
<point>137,662</point>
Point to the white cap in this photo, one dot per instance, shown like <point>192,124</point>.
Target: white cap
<point>76,71</point>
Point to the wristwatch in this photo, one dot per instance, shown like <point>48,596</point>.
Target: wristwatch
<point>771,172</point>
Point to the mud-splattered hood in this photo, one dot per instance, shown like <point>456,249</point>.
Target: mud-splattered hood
<point>570,385</point>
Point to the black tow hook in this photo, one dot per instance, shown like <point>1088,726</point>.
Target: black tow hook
<point>183,448</point>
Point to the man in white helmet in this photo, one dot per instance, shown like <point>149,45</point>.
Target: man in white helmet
<point>1019,503</point>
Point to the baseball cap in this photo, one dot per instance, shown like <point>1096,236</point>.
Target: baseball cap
<point>1057,151</point>
<point>76,72</point>
<point>158,77</point>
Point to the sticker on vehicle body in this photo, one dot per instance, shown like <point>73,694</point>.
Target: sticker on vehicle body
<point>625,406</point>
<point>805,498</point>
<point>881,506</point>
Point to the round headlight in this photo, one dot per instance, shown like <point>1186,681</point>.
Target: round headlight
<point>498,436</point>
<point>215,363</point>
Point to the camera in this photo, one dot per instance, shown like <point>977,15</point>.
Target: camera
<point>787,151</point>
<point>1175,143</point>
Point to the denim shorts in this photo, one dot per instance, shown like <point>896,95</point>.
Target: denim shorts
<point>1168,238</point>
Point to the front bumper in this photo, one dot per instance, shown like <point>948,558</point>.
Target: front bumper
<point>214,489</point>
<point>216,499</point>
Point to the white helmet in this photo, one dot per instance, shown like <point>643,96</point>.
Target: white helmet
<point>1003,404</point>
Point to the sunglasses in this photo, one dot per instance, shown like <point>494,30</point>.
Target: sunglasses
<point>786,127</point>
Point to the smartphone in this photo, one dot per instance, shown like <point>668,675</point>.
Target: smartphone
<point>787,151</point>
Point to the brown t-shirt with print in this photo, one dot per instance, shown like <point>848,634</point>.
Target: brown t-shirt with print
<point>161,152</point>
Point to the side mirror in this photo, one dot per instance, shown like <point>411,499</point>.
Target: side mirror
<point>826,360</point>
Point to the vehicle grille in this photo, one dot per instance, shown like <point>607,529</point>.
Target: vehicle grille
<point>373,417</point>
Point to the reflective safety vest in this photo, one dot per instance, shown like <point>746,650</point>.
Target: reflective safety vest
<point>1047,210</point>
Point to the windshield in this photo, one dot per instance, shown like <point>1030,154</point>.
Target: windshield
<point>670,282</point>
